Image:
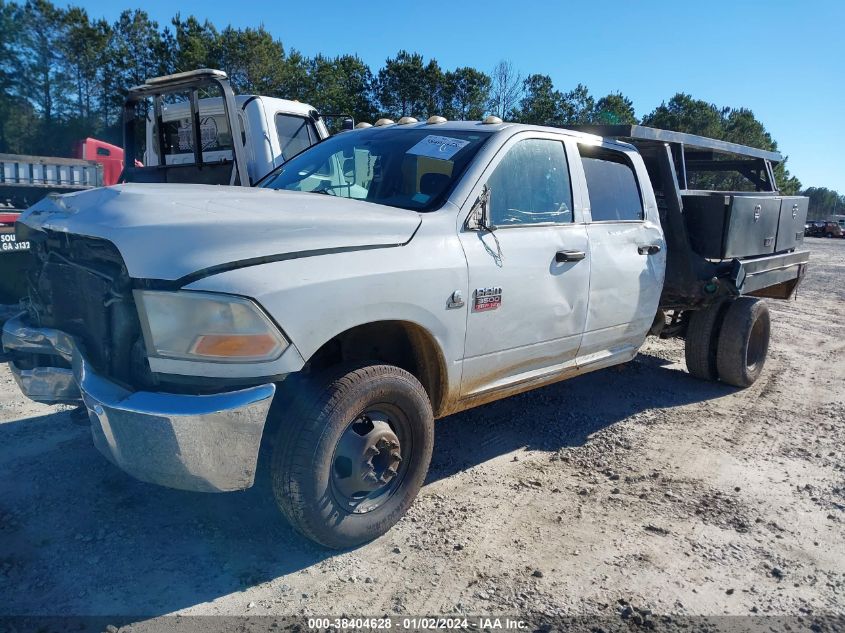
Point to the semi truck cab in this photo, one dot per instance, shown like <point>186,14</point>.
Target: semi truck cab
<point>179,128</point>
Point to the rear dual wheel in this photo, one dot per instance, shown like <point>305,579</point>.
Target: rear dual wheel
<point>729,341</point>
<point>701,341</point>
<point>743,342</point>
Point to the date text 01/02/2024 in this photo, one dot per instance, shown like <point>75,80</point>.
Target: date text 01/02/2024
<point>418,623</point>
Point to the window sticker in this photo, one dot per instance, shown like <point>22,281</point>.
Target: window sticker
<point>439,147</point>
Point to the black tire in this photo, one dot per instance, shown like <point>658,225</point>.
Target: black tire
<point>701,339</point>
<point>743,342</point>
<point>318,426</point>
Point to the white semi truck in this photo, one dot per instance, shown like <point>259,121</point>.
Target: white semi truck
<point>180,129</point>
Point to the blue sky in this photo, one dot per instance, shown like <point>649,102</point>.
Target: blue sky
<point>783,60</point>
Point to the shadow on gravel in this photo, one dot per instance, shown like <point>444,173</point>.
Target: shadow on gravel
<point>77,536</point>
<point>564,414</point>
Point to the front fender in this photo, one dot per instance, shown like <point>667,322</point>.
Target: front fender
<point>315,299</point>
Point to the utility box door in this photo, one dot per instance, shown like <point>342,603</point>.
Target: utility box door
<point>793,215</point>
<point>724,226</point>
<point>752,226</point>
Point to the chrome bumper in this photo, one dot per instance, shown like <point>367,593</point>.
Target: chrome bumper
<point>206,443</point>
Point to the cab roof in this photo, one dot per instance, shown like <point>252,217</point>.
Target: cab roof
<point>481,126</point>
<point>285,106</point>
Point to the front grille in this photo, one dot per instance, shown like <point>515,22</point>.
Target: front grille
<point>81,287</point>
<point>78,307</point>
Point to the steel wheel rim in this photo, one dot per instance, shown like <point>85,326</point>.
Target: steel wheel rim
<point>364,456</point>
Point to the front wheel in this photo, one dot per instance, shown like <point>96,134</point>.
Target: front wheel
<point>352,453</point>
<point>743,342</point>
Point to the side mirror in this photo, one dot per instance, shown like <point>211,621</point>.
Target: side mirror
<point>479,215</point>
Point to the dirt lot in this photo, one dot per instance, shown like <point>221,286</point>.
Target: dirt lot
<point>639,484</point>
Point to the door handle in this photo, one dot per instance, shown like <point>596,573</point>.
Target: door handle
<point>569,256</point>
<point>650,249</point>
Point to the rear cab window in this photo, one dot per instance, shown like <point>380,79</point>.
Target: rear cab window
<point>215,139</point>
<point>174,143</point>
<point>612,185</point>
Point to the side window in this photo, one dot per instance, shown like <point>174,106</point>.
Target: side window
<point>612,185</point>
<point>531,185</point>
<point>296,133</point>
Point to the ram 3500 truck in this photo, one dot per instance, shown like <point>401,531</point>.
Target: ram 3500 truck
<point>379,280</point>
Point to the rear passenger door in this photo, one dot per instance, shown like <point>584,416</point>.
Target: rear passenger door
<point>627,253</point>
<point>527,306</point>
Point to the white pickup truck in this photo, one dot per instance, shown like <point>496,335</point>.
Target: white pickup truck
<point>379,280</point>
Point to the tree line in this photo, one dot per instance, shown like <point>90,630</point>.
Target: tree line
<point>824,203</point>
<point>63,76</point>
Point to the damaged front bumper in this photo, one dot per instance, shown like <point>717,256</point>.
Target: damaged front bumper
<point>207,443</point>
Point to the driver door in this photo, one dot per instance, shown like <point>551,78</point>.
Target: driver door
<point>529,277</point>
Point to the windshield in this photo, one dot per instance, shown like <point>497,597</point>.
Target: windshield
<point>408,168</point>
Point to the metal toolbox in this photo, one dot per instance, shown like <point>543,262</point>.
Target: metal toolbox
<point>793,215</point>
<point>725,226</point>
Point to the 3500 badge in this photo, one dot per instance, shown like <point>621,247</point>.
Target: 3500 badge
<point>487,299</point>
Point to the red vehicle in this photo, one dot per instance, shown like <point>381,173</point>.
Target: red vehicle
<point>24,180</point>
<point>108,155</point>
<point>824,229</point>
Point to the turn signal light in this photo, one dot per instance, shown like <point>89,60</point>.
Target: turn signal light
<point>234,345</point>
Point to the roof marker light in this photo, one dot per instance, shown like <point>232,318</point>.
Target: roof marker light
<point>362,125</point>
<point>383,122</point>
<point>434,120</point>
<point>491,120</point>
<point>407,120</point>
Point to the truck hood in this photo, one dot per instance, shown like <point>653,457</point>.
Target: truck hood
<point>171,231</point>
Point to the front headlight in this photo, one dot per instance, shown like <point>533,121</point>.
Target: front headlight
<point>206,326</point>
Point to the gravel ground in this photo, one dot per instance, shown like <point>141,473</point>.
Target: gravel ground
<point>637,486</point>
